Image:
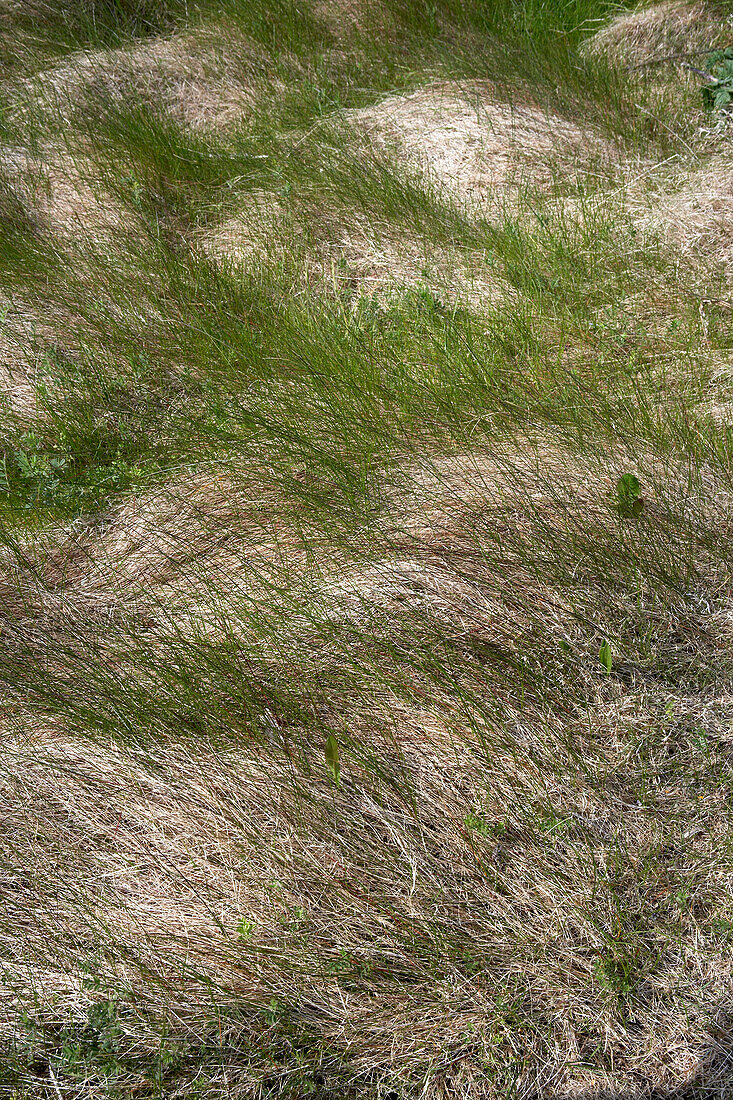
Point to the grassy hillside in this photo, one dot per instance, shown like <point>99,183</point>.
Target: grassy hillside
<point>366,609</point>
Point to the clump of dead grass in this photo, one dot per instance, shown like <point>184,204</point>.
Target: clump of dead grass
<point>247,870</point>
<point>461,145</point>
<point>344,18</point>
<point>476,149</point>
<point>692,208</point>
<point>20,354</point>
<point>654,31</point>
<point>203,78</point>
<point>351,253</point>
<point>65,193</point>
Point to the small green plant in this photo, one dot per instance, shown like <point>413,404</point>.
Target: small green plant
<point>341,963</point>
<point>553,824</point>
<point>629,500</point>
<point>618,970</point>
<point>99,1042</point>
<point>717,94</point>
<point>63,477</point>
<point>723,929</point>
<point>605,657</point>
<point>245,929</point>
<point>332,759</point>
<point>477,823</point>
<point>348,969</point>
<point>276,1011</point>
<point>700,740</point>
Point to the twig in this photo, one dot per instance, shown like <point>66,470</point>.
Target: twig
<point>54,1082</point>
<point>700,72</point>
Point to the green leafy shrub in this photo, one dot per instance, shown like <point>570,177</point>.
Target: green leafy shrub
<point>59,477</point>
<point>718,93</point>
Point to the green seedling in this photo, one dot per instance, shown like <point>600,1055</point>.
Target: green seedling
<point>629,500</point>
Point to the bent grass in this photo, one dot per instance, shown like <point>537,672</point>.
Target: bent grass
<point>365,736</point>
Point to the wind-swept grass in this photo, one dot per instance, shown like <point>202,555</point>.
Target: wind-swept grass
<point>364,642</point>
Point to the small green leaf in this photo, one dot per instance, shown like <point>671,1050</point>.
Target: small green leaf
<point>605,656</point>
<point>630,502</point>
<point>718,93</point>
<point>245,928</point>
<point>628,487</point>
<point>477,822</point>
<point>718,58</point>
<point>332,759</point>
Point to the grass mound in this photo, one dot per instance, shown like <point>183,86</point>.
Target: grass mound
<point>200,78</point>
<point>477,148</point>
<point>695,212</point>
<point>656,31</point>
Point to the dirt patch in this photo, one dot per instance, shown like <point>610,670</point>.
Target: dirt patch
<point>477,150</point>
<point>679,26</point>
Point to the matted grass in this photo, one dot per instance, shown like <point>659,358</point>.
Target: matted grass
<point>365,608</point>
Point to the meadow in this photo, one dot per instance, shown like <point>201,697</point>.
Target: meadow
<point>366,608</point>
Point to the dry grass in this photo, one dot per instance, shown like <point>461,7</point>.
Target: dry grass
<point>184,860</point>
<point>404,531</point>
<point>483,154</point>
<point>19,358</point>
<point>178,557</point>
<point>206,78</point>
<point>693,210</point>
<point>346,17</point>
<point>351,253</point>
<point>656,30</point>
<point>65,193</point>
<point>478,150</point>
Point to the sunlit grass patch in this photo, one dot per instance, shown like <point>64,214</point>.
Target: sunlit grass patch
<point>365,546</point>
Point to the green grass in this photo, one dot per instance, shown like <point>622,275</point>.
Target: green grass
<point>262,515</point>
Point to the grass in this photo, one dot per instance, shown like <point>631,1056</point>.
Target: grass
<point>364,617</point>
